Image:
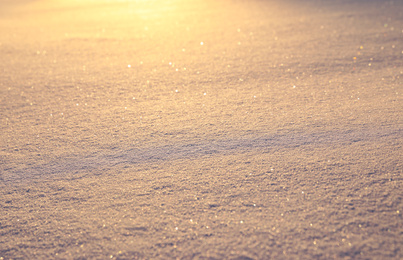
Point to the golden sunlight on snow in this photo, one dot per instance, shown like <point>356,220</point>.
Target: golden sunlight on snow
<point>201,129</point>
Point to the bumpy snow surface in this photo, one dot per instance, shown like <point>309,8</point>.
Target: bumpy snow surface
<point>201,129</point>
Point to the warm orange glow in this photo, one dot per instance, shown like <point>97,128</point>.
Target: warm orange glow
<point>200,129</point>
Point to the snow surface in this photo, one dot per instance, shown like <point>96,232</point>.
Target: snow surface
<point>201,129</point>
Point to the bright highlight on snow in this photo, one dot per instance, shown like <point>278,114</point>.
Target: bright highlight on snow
<point>201,129</point>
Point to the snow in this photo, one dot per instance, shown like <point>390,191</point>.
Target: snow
<point>274,126</point>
